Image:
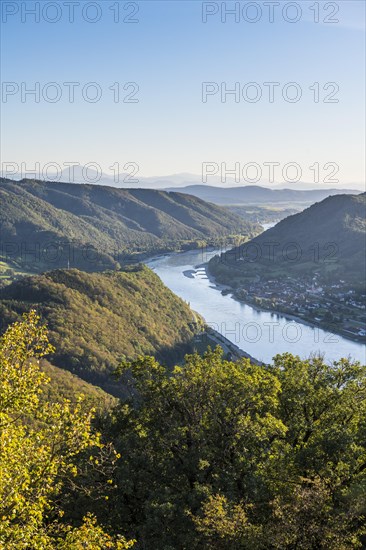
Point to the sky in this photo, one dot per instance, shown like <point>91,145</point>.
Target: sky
<point>159,71</point>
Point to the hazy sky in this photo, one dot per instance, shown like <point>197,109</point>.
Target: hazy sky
<point>168,53</point>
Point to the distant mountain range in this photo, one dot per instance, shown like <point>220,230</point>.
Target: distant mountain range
<point>89,175</point>
<point>39,220</point>
<point>258,195</point>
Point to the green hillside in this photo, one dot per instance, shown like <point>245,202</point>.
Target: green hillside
<point>328,238</point>
<point>65,385</point>
<point>47,225</point>
<point>311,265</point>
<point>95,319</point>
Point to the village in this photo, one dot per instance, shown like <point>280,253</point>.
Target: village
<point>334,306</point>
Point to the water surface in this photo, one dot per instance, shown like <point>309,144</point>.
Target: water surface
<point>259,333</point>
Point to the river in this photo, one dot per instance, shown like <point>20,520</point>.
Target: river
<point>259,333</point>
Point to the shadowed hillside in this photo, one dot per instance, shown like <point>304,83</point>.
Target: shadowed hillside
<point>65,385</point>
<point>311,265</point>
<point>46,225</point>
<point>97,319</point>
<point>328,238</point>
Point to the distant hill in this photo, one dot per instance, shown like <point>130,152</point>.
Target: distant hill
<point>328,238</point>
<point>47,225</point>
<point>95,319</point>
<point>258,195</point>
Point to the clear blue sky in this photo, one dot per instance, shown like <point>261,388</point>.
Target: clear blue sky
<point>169,53</point>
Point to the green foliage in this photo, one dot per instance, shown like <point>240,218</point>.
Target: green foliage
<point>226,525</point>
<point>210,455</point>
<point>40,445</point>
<point>65,385</point>
<point>45,225</point>
<point>95,319</point>
<point>233,455</point>
<point>20,378</point>
<point>91,536</point>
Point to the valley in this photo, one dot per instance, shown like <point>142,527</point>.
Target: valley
<point>136,378</point>
<point>311,265</point>
<point>260,332</point>
<point>182,275</point>
<point>47,225</point>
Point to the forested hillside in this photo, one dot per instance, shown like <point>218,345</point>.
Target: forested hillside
<point>46,442</point>
<point>328,238</point>
<point>65,385</point>
<point>212,455</point>
<point>96,319</point>
<point>46,225</point>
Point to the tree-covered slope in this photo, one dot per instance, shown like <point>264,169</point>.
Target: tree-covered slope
<point>46,225</point>
<point>220,455</point>
<point>45,445</point>
<point>210,455</point>
<point>328,238</point>
<point>95,319</point>
<point>65,385</point>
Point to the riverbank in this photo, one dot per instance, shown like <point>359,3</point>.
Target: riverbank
<point>297,318</point>
<point>208,336</point>
<point>314,324</point>
<point>229,348</point>
<point>261,333</point>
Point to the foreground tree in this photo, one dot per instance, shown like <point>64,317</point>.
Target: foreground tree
<point>212,455</point>
<point>204,429</point>
<point>232,455</point>
<point>320,473</point>
<point>40,445</point>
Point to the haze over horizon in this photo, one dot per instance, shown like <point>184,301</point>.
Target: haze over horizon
<point>79,175</point>
<point>183,96</point>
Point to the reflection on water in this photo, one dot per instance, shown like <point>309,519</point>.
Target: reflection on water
<point>259,333</point>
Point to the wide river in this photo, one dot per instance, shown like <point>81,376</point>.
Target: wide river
<point>259,333</point>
